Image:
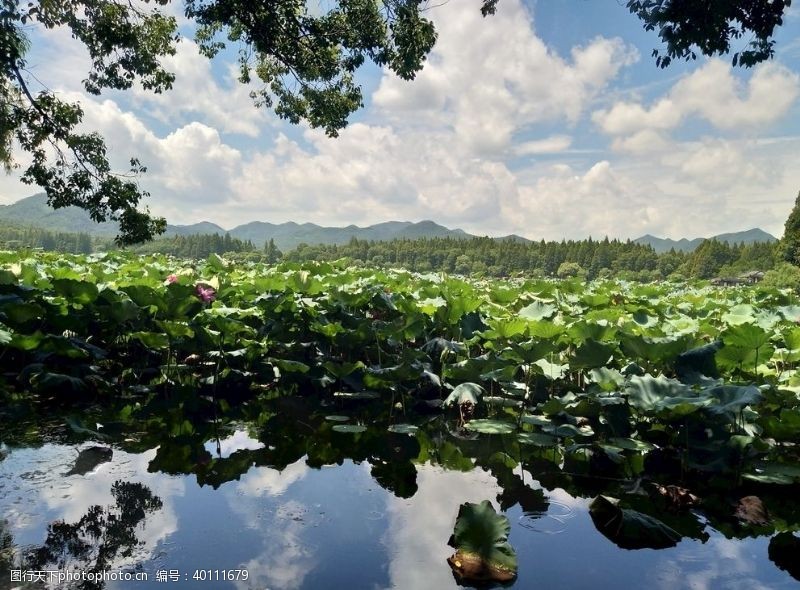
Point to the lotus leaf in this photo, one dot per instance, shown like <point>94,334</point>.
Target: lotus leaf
<point>480,537</point>
<point>465,393</point>
<point>491,426</point>
<point>630,529</point>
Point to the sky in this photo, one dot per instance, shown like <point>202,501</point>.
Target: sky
<point>549,120</point>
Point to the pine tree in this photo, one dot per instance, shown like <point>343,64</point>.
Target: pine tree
<point>790,242</point>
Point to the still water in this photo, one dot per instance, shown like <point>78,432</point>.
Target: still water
<point>300,506</point>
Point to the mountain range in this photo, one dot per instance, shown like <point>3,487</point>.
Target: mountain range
<point>665,244</point>
<point>34,211</point>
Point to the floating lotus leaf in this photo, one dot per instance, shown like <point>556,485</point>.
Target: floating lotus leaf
<point>491,426</point>
<point>349,428</point>
<point>409,429</point>
<point>483,553</point>
<point>357,395</point>
<point>630,529</point>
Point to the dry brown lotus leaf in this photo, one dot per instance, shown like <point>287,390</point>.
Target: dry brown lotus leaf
<point>470,568</point>
<point>751,510</point>
<point>676,497</point>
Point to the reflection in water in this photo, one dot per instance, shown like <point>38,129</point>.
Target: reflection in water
<point>99,538</point>
<point>784,551</point>
<point>270,486</point>
<point>418,528</point>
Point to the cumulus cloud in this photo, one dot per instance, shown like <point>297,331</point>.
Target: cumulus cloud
<point>711,93</point>
<point>487,80</point>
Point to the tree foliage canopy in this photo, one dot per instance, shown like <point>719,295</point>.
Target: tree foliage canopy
<point>711,26</point>
<point>302,58</point>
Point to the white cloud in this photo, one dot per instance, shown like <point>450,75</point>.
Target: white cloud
<point>548,145</point>
<point>488,80</point>
<point>197,93</point>
<point>714,94</point>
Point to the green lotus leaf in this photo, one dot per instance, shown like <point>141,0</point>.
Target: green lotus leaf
<point>730,399</point>
<point>480,537</point>
<point>668,398</point>
<point>491,426</point>
<point>409,429</point>
<point>774,473</point>
<point>607,379</point>
<point>349,428</point>
<point>82,292</point>
<point>538,310</point>
<point>463,393</point>
<point>550,370</point>
<point>357,395</point>
<point>739,314</point>
<point>591,354</point>
<point>537,439</point>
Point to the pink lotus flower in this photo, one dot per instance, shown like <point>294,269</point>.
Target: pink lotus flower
<point>205,292</point>
<point>171,279</point>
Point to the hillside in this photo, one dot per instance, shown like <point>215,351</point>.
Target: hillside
<point>33,211</point>
<point>749,236</point>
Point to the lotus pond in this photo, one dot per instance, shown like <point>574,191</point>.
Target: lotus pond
<point>318,426</point>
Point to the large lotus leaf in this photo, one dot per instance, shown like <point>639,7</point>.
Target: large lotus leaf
<point>668,398</point>
<point>591,354</point>
<point>538,310</point>
<point>656,350</point>
<point>82,292</point>
<point>546,330</point>
<point>645,318</point>
<point>505,328</point>
<point>491,426</point>
<point>349,428</point>
<point>470,369</point>
<point>681,325</point>
<point>746,336</point>
<point>51,383</point>
<point>767,319</point>
<point>537,439</point>
<point>550,370</point>
<point>790,312</point>
<point>480,538</point>
<point>607,379</point>
<point>630,529</point>
<point>739,314</point>
<point>730,399</point>
<point>785,427</point>
<point>152,340</point>
<point>465,393</point>
<point>568,430</point>
<point>342,370</point>
<point>775,473</point>
<point>600,330</point>
<point>698,361</point>
<point>437,346</point>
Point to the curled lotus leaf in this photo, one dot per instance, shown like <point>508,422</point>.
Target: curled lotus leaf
<point>483,553</point>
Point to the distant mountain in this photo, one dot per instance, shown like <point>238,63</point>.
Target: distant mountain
<point>204,227</point>
<point>665,244</point>
<point>33,211</point>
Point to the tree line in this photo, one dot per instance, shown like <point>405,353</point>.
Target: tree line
<point>587,259</point>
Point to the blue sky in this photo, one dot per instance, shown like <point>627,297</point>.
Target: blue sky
<point>549,120</point>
